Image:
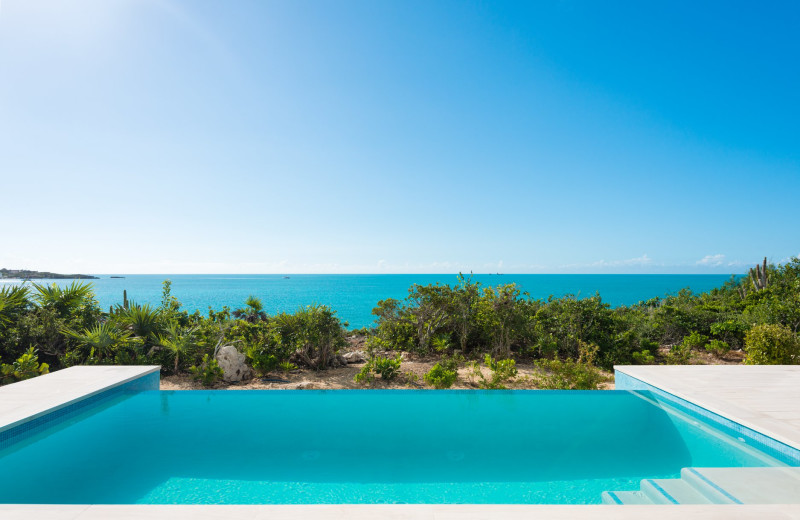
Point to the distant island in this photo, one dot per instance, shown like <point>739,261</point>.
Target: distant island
<point>26,274</point>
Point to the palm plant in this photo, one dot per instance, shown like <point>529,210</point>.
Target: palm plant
<point>253,311</point>
<point>179,342</point>
<point>143,320</point>
<point>13,301</point>
<point>64,300</point>
<point>103,338</point>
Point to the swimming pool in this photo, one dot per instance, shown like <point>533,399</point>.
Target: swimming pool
<point>397,446</point>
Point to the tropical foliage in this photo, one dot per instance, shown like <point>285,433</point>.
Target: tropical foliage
<point>753,318</point>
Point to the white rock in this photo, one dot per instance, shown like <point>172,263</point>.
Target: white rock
<point>355,357</point>
<point>233,364</point>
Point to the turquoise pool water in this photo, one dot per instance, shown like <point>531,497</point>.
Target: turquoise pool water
<point>291,447</point>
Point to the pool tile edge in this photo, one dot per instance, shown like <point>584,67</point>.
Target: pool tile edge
<point>756,435</point>
<point>69,388</point>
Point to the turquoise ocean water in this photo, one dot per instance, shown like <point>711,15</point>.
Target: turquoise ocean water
<point>371,446</point>
<point>354,296</point>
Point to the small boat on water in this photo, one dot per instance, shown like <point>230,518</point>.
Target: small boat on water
<point>116,277</point>
<point>285,277</point>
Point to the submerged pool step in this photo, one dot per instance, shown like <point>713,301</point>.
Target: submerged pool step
<point>746,485</point>
<point>772,485</point>
<point>625,498</point>
<point>672,491</point>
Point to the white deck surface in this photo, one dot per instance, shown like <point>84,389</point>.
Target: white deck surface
<point>765,398</point>
<point>26,400</point>
<point>401,512</point>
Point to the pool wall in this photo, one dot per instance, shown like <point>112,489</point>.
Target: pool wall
<point>774,448</point>
<point>58,402</point>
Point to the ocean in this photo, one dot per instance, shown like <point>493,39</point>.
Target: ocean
<point>354,296</point>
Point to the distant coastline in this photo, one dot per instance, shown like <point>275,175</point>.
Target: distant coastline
<point>27,274</point>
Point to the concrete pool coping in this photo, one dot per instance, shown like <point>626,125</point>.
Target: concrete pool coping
<point>764,398</point>
<point>741,397</point>
<point>398,512</point>
<point>27,400</point>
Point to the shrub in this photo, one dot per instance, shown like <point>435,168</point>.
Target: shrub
<point>315,334</point>
<point>695,341</point>
<point>567,375</point>
<point>644,358</point>
<point>502,372</point>
<point>441,377</point>
<point>679,354</point>
<point>571,374</point>
<point>208,373</point>
<point>718,348</point>
<point>264,347</point>
<point>25,367</point>
<point>386,367</point>
<point>771,345</point>
<point>731,332</point>
<point>286,366</point>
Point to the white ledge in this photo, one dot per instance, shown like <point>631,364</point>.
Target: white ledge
<point>398,512</point>
<point>764,398</point>
<point>26,400</point>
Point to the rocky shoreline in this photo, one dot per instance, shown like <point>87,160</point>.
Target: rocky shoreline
<point>27,274</point>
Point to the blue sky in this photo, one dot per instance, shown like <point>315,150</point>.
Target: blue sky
<point>166,136</point>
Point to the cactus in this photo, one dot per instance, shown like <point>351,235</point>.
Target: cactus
<point>759,276</point>
<point>125,299</point>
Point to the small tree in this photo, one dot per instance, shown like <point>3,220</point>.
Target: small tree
<point>772,345</point>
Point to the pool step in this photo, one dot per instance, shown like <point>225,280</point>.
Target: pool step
<point>672,491</point>
<point>625,498</point>
<point>716,486</point>
<point>746,485</point>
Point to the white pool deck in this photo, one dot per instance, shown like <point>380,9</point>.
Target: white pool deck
<point>766,399</point>
<point>29,399</point>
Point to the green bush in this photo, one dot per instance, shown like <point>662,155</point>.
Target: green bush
<point>25,367</point>
<point>385,367</point>
<point>679,354</point>
<point>644,358</point>
<point>208,373</point>
<point>731,332</point>
<point>718,348</point>
<point>772,345</point>
<point>695,341</point>
<point>441,377</point>
<point>264,348</point>
<point>502,372</point>
<point>567,375</point>
<point>314,333</point>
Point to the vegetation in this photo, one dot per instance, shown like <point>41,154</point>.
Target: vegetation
<point>443,374</point>
<point>569,340</point>
<point>772,345</point>
<point>387,368</point>
<point>208,372</point>
<point>27,274</point>
<point>26,367</point>
<point>501,371</point>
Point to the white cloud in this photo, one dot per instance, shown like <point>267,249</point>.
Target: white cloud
<point>639,260</point>
<point>711,260</point>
